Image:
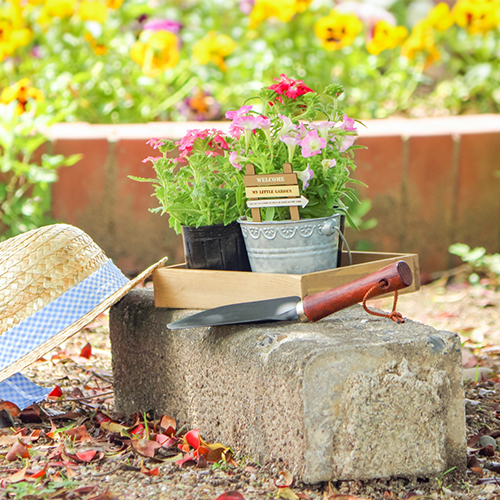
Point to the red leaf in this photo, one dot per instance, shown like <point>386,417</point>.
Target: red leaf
<point>102,417</point>
<point>55,393</point>
<point>38,474</point>
<point>18,476</point>
<point>86,352</point>
<point>193,438</point>
<point>231,495</point>
<point>150,472</point>
<point>18,450</point>
<point>10,407</point>
<point>86,456</point>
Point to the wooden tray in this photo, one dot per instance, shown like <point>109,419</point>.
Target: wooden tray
<point>181,288</point>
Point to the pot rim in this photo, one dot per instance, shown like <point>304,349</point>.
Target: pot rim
<point>245,221</point>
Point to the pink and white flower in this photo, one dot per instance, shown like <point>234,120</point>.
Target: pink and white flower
<point>305,176</point>
<point>312,144</point>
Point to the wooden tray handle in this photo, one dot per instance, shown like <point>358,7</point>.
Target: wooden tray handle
<point>391,278</point>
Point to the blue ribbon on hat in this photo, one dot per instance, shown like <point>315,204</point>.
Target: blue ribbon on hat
<point>55,317</point>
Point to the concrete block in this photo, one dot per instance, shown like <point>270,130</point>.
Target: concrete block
<point>353,396</point>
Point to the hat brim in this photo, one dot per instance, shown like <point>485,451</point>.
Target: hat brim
<point>55,340</point>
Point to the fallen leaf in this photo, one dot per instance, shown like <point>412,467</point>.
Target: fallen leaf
<point>6,419</point>
<point>86,352</point>
<point>107,495</point>
<point>55,393</point>
<point>284,480</point>
<point>17,476</point>
<point>31,415</point>
<point>487,451</point>
<point>217,454</point>
<point>169,424</point>
<point>150,472</point>
<point>38,474</point>
<point>86,456</point>
<point>10,407</point>
<point>287,493</point>
<point>18,450</point>
<point>477,471</point>
<point>114,427</point>
<point>193,438</point>
<point>145,447</point>
<point>231,495</point>
<point>78,433</point>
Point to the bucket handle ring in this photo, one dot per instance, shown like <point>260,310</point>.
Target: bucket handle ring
<point>342,237</point>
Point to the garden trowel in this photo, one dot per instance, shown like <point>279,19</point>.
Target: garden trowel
<point>312,308</point>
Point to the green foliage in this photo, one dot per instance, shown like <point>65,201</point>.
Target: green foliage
<point>25,174</point>
<point>200,190</point>
<point>481,264</point>
<point>39,489</point>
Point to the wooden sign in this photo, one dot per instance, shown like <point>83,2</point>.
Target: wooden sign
<point>278,190</point>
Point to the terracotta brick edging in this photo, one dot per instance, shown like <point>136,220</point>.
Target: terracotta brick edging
<point>431,181</point>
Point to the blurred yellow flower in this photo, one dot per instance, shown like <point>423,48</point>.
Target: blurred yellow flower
<point>12,34</point>
<point>283,10</point>
<point>155,51</point>
<point>386,36</point>
<point>338,29</point>
<point>93,10</point>
<point>22,92</point>
<point>421,41</point>
<point>214,47</point>
<point>301,5</point>
<point>59,8</point>
<point>98,48</point>
<point>440,17</point>
<point>477,16</point>
<point>114,4</point>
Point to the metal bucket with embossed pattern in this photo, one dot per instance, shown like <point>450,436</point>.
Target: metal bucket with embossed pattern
<point>292,247</point>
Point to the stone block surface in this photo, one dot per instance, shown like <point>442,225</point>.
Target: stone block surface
<point>353,396</point>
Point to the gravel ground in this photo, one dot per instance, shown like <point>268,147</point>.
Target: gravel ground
<point>124,474</point>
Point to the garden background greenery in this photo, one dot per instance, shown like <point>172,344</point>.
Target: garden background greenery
<point>133,61</point>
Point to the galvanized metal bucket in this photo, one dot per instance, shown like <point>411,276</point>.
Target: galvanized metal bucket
<point>292,247</point>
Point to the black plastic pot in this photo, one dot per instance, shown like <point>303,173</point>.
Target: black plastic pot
<point>216,247</point>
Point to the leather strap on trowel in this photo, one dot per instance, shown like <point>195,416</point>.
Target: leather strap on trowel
<point>394,315</point>
<point>389,279</point>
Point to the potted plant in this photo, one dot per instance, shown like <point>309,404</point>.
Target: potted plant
<point>203,195</point>
<point>281,131</point>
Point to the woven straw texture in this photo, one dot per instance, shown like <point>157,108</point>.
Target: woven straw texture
<point>39,266</point>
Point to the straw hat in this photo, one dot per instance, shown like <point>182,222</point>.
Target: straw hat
<point>53,281</point>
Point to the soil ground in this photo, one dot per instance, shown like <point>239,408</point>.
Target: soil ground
<point>102,466</point>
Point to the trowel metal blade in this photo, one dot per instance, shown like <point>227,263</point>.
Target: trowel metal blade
<point>282,309</point>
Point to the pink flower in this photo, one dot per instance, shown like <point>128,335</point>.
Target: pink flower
<point>347,142</point>
<point>305,176</point>
<point>235,158</point>
<point>231,115</point>
<point>312,144</point>
<point>288,126</point>
<point>152,159</point>
<point>163,24</point>
<point>349,124</point>
<point>323,128</point>
<point>155,143</point>
<point>248,122</point>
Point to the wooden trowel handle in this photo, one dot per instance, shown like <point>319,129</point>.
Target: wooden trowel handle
<point>389,279</point>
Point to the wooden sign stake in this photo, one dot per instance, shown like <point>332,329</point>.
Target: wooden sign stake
<point>266,190</point>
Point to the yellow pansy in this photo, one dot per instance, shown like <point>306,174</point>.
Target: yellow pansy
<point>22,92</point>
<point>93,10</point>
<point>155,51</point>
<point>386,36</point>
<point>59,8</point>
<point>98,48</point>
<point>421,41</point>
<point>214,48</point>
<point>283,10</point>
<point>440,17</point>
<point>477,16</point>
<point>301,5</point>
<point>114,4</point>
<point>338,29</point>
